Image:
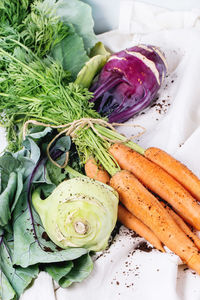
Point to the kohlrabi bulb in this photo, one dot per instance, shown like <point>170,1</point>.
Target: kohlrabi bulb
<point>80,212</point>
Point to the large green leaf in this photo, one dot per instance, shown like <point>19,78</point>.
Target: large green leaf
<point>80,15</point>
<point>56,174</point>
<point>99,56</point>
<point>10,186</point>
<point>81,269</point>
<point>6,198</point>
<point>67,273</point>
<point>8,164</point>
<point>58,271</point>
<point>6,290</point>
<point>70,52</point>
<point>39,132</point>
<point>15,279</point>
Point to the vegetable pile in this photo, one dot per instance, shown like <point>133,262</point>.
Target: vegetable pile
<point>32,36</point>
<point>144,181</point>
<point>50,220</point>
<point>24,243</point>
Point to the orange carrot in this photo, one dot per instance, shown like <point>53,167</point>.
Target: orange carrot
<point>131,222</point>
<point>96,172</point>
<point>158,181</point>
<point>176,169</point>
<point>179,221</point>
<point>139,201</point>
<point>124,216</point>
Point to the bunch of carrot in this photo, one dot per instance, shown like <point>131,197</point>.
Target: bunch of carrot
<point>140,210</point>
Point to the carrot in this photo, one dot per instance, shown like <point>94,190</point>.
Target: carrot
<point>140,202</point>
<point>131,222</point>
<point>96,172</point>
<point>176,169</point>
<point>179,221</point>
<point>124,216</point>
<point>159,181</point>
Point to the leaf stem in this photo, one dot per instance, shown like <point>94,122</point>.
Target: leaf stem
<point>74,173</point>
<point>110,134</point>
<point>21,63</point>
<point>89,143</point>
<point>23,98</point>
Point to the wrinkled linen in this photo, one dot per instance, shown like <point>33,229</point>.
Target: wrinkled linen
<point>172,123</point>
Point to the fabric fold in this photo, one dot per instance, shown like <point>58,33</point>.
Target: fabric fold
<point>139,17</point>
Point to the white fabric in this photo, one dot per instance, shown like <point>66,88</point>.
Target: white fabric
<point>172,124</point>
<point>122,273</point>
<point>42,289</point>
<point>138,17</point>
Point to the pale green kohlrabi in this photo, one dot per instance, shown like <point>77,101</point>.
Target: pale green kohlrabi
<point>80,212</point>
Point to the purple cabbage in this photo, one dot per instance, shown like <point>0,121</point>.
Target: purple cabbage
<point>129,82</point>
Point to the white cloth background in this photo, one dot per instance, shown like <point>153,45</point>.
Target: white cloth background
<point>173,123</point>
